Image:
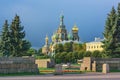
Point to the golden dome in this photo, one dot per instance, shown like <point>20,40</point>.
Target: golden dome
<point>75,28</point>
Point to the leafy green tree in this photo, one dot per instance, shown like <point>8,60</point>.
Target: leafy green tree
<point>63,57</point>
<point>81,54</point>
<point>87,54</point>
<point>19,46</point>
<point>39,51</point>
<point>84,46</point>
<point>68,47</point>
<point>31,52</point>
<point>42,57</point>
<point>75,55</point>
<point>77,47</point>
<point>58,48</point>
<point>5,40</point>
<point>96,54</point>
<point>58,58</point>
<point>70,57</point>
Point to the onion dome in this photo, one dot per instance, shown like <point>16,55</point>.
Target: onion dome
<point>46,38</point>
<point>75,28</point>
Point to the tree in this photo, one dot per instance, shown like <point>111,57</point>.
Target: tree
<point>116,34</point>
<point>81,54</point>
<point>84,46</point>
<point>109,32</point>
<point>5,40</point>
<point>70,57</point>
<point>87,54</point>
<point>62,57</point>
<point>39,51</point>
<point>58,48</point>
<point>19,46</point>
<point>104,55</point>
<point>58,58</point>
<point>96,54</point>
<point>68,47</point>
<point>75,55</point>
<point>31,52</point>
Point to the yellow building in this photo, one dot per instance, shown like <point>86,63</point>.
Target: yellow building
<point>95,45</point>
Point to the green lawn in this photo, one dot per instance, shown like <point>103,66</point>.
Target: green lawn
<point>19,74</point>
<point>114,70</point>
<point>110,71</point>
<point>75,64</point>
<point>46,69</point>
<point>72,69</point>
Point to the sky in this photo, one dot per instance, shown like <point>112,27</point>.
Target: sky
<point>42,17</point>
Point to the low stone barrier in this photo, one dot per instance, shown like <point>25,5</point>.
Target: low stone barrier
<point>18,65</point>
<point>58,69</point>
<point>105,68</point>
<point>45,63</point>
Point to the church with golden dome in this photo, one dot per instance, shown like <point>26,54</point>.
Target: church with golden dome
<point>61,35</point>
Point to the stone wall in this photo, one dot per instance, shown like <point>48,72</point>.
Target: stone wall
<point>44,63</point>
<point>18,65</point>
<point>95,64</point>
<point>114,63</point>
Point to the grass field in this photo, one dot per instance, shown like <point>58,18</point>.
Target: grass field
<point>20,74</point>
<point>114,70</point>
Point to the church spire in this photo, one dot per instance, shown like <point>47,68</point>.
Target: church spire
<point>61,20</point>
<point>62,26</point>
<point>46,40</point>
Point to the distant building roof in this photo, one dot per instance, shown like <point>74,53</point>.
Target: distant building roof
<point>97,40</point>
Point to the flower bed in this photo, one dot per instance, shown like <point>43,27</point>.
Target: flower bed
<point>63,70</point>
<point>46,70</point>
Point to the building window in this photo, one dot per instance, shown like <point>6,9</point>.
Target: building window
<point>91,46</point>
<point>97,46</point>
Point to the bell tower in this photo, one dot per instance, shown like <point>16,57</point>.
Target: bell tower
<point>61,31</point>
<point>45,49</point>
<point>46,40</point>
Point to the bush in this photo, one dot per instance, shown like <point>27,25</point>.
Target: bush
<point>87,54</point>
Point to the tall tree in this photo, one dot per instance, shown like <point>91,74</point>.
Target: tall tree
<point>116,33</point>
<point>5,40</point>
<point>19,46</point>
<point>109,32</point>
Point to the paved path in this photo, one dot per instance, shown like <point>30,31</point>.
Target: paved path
<point>88,76</point>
